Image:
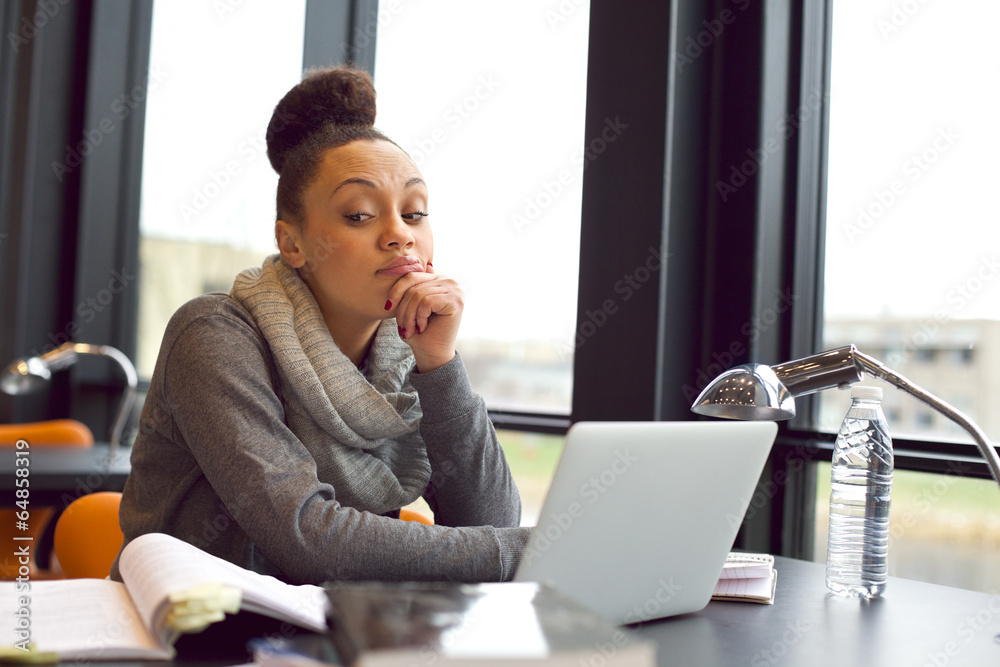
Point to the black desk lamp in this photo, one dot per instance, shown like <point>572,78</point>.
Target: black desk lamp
<point>30,374</point>
<point>759,392</point>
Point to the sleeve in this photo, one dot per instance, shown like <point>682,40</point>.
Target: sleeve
<point>471,484</point>
<point>223,402</point>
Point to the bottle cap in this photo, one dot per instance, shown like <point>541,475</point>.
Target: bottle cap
<point>862,391</point>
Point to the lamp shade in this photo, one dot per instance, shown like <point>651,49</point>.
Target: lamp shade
<point>25,376</point>
<point>751,392</point>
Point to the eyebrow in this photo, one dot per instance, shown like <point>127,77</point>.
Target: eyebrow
<point>371,184</point>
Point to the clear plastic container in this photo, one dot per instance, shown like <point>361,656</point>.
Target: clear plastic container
<point>860,484</point>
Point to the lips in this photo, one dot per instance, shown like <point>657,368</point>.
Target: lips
<point>401,266</point>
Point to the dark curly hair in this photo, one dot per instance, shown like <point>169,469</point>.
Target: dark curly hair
<point>331,107</point>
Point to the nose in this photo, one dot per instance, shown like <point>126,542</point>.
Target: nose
<point>397,234</point>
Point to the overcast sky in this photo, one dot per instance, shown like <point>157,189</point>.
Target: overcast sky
<point>912,223</point>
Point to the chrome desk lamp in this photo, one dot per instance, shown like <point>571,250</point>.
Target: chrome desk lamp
<point>759,392</point>
<point>30,374</point>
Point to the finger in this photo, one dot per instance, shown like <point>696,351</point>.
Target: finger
<point>422,301</point>
<point>435,305</point>
<point>413,313</point>
<point>398,288</point>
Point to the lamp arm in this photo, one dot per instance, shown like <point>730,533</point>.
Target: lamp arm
<point>24,375</point>
<point>128,394</point>
<point>879,370</point>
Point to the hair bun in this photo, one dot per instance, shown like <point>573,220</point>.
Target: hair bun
<point>335,96</point>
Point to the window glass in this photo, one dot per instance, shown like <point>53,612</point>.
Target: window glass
<point>942,528</point>
<point>912,263</point>
<point>489,101</point>
<point>207,209</point>
<point>532,458</point>
<point>912,266</point>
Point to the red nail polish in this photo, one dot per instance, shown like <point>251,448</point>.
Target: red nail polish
<point>402,332</point>
<point>388,305</point>
<point>418,328</point>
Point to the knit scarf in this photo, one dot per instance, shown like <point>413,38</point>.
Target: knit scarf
<point>362,431</point>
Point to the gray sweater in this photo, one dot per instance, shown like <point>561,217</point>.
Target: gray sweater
<point>216,465</point>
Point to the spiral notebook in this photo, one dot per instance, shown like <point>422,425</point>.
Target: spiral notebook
<point>747,577</point>
<point>641,516</point>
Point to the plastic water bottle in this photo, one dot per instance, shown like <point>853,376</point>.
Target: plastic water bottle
<point>860,482</point>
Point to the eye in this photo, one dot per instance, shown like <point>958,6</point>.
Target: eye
<point>416,216</point>
<point>357,217</point>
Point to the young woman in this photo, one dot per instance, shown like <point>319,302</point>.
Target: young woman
<point>288,421</point>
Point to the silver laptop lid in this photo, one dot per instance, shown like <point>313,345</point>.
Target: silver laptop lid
<point>641,515</point>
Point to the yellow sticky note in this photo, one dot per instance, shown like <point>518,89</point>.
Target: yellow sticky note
<point>189,623</point>
<point>31,656</point>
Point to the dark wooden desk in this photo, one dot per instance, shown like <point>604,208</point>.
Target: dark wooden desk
<point>60,475</point>
<point>913,624</point>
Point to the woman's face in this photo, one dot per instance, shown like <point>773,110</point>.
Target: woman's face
<point>365,226</point>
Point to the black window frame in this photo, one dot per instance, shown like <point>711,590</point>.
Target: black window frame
<point>74,75</point>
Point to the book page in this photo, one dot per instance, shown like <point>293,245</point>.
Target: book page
<point>747,565</point>
<point>79,618</point>
<point>754,588</point>
<point>155,565</point>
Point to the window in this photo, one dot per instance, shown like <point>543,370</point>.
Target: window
<point>911,264</point>
<point>207,209</point>
<point>911,260</point>
<point>491,107</point>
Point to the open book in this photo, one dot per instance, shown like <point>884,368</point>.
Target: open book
<point>747,577</point>
<point>170,587</point>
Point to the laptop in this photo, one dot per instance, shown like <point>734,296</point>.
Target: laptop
<point>640,516</point>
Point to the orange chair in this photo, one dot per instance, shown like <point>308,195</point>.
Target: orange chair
<point>65,432</point>
<point>411,515</point>
<point>53,432</point>
<point>88,535</point>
